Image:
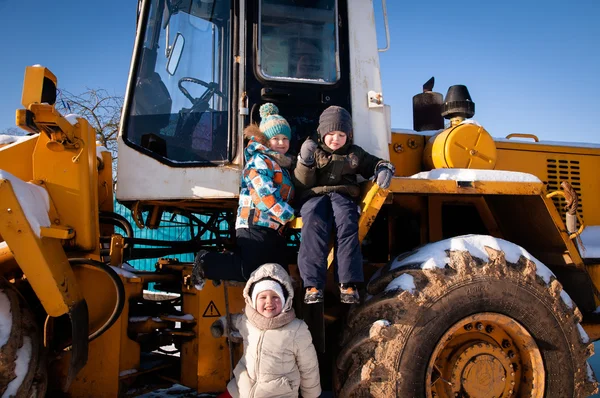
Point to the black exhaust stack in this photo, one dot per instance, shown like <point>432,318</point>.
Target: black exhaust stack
<point>427,109</point>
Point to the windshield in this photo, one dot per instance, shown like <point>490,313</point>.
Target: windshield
<point>179,109</point>
<point>298,41</point>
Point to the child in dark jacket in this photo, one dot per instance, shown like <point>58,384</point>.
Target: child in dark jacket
<point>263,208</point>
<point>325,177</point>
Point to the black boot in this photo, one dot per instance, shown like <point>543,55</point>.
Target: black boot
<point>349,294</point>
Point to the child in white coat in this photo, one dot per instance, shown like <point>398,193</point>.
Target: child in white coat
<point>279,357</point>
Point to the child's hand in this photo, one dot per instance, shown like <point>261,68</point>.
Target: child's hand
<point>307,152</point>
<point>383,174</point>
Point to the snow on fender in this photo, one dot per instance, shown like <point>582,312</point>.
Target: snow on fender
<point>34,201</point>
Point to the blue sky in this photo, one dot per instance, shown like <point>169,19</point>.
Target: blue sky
<point>530,66</point>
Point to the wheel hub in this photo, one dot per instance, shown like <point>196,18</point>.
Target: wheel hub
<point>482,370</point>
<point>486,355</point>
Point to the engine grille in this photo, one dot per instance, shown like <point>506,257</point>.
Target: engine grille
<point>560,170</point>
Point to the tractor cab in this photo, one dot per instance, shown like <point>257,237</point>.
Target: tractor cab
<point>202,68</point>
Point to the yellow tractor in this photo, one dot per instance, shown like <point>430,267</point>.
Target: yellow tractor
<point>481,256</point>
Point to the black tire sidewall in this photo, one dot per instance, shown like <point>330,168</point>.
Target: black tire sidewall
<point>529,305</point>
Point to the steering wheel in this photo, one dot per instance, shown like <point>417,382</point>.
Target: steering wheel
<point>211,89</point>
<point>188,118</point>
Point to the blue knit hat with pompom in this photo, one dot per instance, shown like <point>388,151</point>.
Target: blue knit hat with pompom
<point>271,123</point>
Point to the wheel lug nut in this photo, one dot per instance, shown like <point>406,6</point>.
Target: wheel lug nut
<point>489,328</point>
<point>479,326</point>
<point>468,327</point>
<point>505,343</point>
<point>511,354</point>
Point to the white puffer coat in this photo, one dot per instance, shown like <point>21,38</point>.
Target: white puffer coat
<point>279,357</point>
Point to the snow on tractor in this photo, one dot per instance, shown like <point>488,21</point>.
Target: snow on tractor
<point>482,256</point>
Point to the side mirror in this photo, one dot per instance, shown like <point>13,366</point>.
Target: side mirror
<point>175,54</point>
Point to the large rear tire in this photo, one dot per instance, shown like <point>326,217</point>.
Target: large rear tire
<point>22,372</point>
<point>472,316</point>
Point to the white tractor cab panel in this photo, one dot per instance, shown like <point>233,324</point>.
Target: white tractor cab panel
<point>189,88</point>
<point>371,118</point>
<point>148,179</point>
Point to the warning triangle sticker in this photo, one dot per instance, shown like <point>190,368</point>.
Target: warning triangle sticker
<point>211,311</point>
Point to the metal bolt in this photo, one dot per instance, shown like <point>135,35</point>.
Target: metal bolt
<point>510,391</point>
<point>505,343</point>
<point>456,394</point>
<point>512,373</point>
<point>503,378</point>
<point>489,328</point>
<point>473,152</point>
<point>512,383</point>
<point>9,211</point>
<point>468,327</point>
<point>479,326</point>
<point>511,354</point>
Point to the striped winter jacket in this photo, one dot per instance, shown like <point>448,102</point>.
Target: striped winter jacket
<point>266,188</point>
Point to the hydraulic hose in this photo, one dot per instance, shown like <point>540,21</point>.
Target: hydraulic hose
<point>118,220</point>
<point>120,289</point>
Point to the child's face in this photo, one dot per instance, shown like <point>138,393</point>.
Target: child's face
<point>268,304</point>
<point>279,143</point>
<point>335,140</point>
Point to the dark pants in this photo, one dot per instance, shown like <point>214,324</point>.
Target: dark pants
<point>320,215</point>
<point>255,246</point>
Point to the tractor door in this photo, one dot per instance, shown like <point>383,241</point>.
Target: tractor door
<point>297,57</point>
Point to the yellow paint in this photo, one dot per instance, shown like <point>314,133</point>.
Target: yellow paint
<point>105,183</point>
<point>43,260</point>
<point>72,184</point>
<point>454,366</point>
<point>205,363</point>
<point>111,353</point>
<point>465,146</point>
<point>33,84</point>
<point>406,152</point>
<point>16,159</point>
<point>424,186</point>
<point>57,232</point>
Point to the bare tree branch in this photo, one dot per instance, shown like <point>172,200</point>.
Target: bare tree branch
<point>101,109</point>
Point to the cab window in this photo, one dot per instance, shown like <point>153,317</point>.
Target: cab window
<point>298,41</point>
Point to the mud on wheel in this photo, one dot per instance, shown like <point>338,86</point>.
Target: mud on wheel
<point>472,316</point>
<point>22,372</point>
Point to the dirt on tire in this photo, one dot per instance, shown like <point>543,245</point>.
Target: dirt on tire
<point>23,330</point>
<point>389,339</point>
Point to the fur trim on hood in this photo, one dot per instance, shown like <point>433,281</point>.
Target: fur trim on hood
<point>253,130</point>
<point>253,133</point>
<point>275,272</point>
